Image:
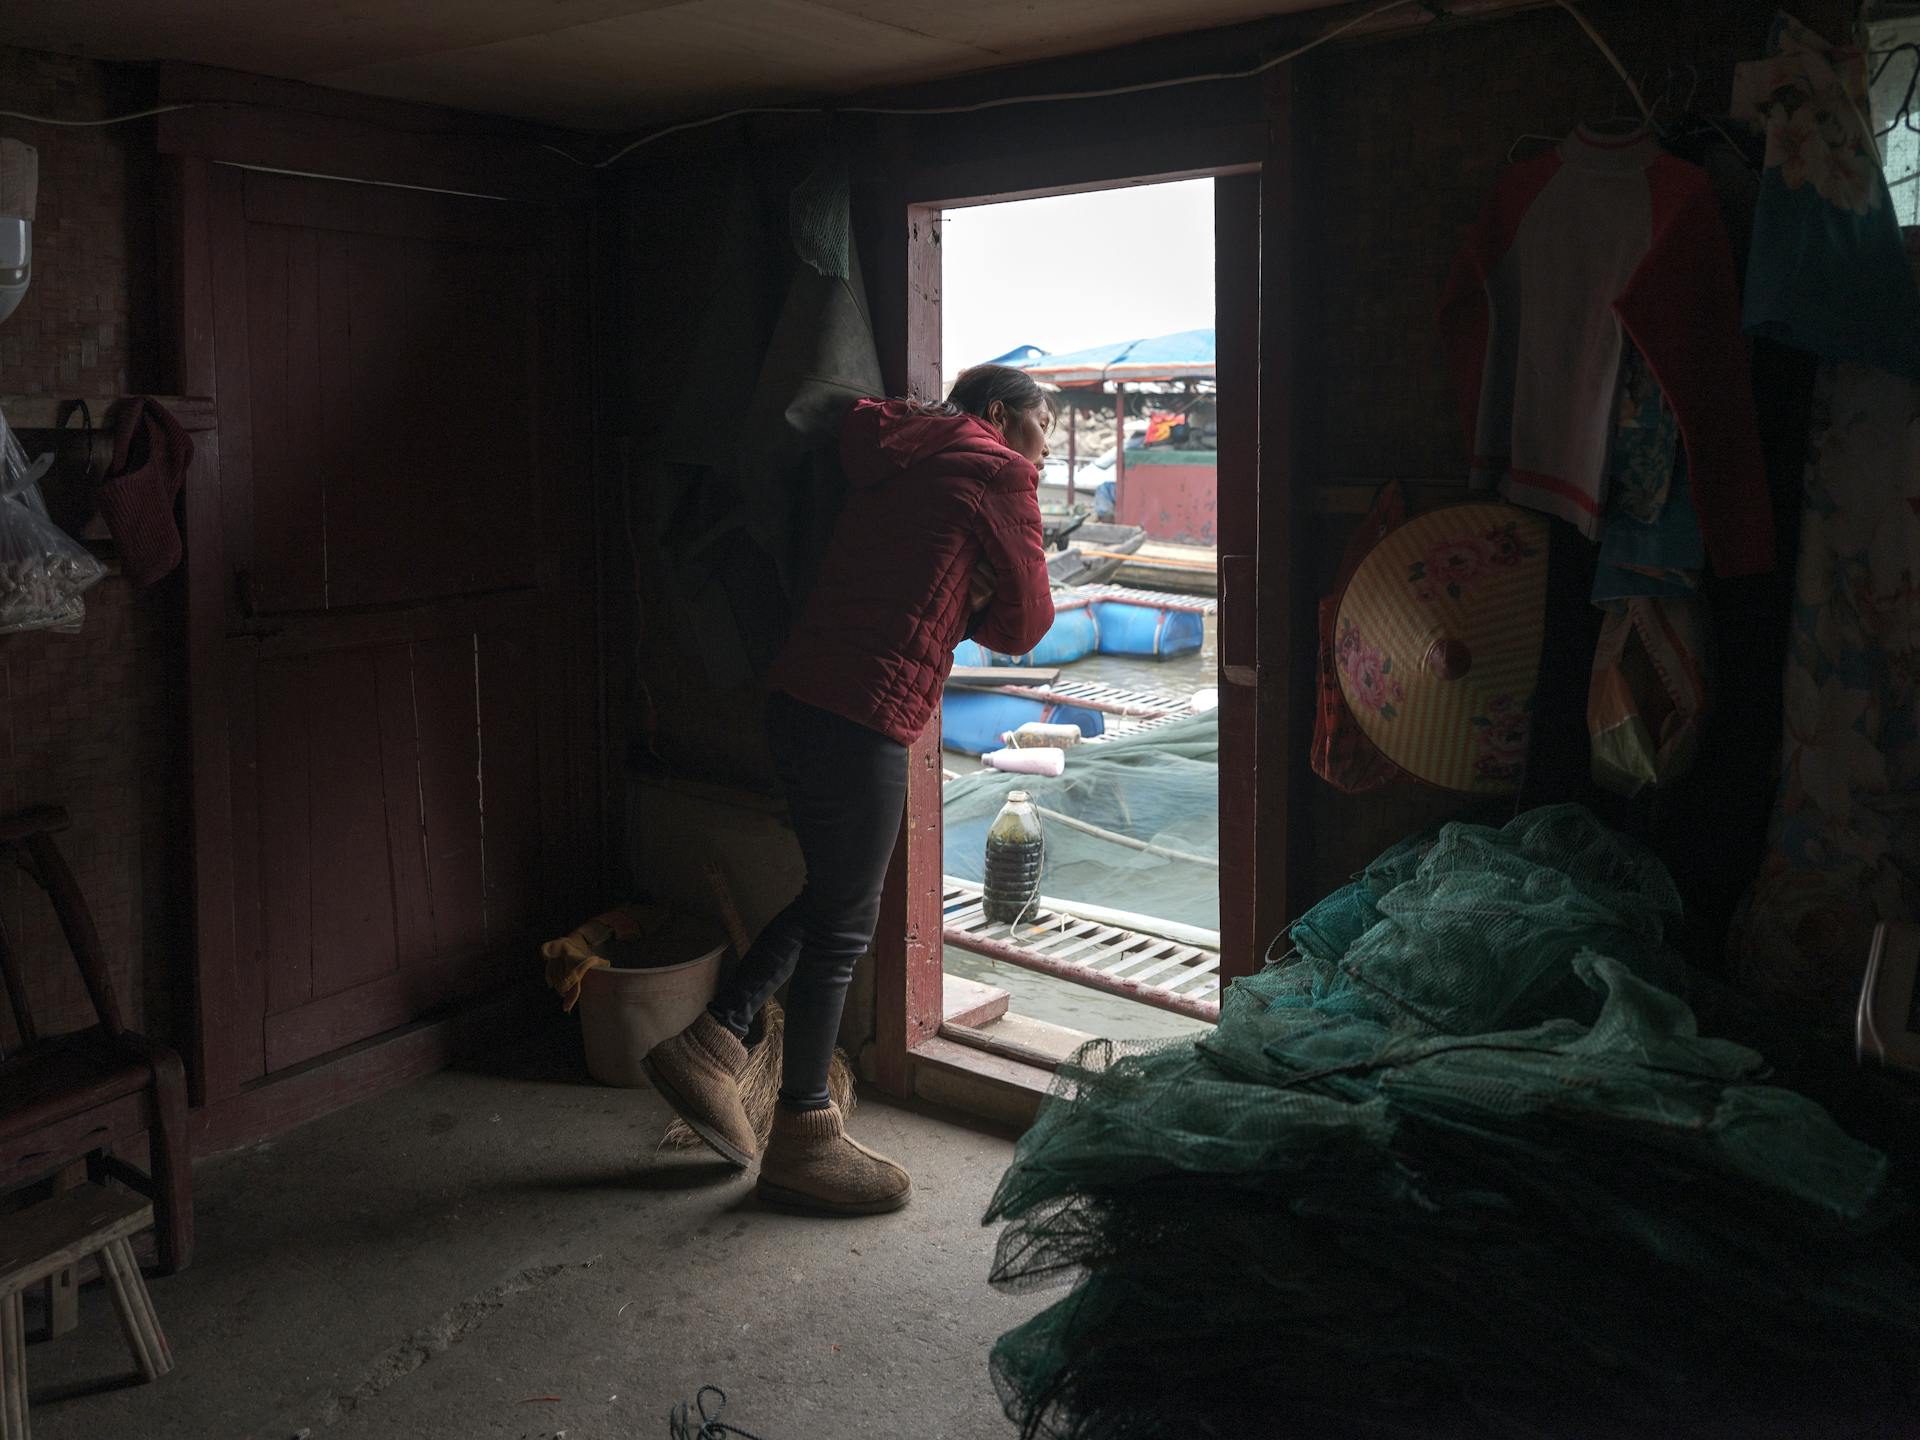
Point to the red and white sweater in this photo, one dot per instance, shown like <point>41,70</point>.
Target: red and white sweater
<point>1597,237</point>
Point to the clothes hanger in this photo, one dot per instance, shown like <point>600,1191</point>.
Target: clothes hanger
<point>1619,121</point>
<point>1606,125</point>
<point>1678,112</point>
<point>1616,118</point>
<point>1685,121</point>
<point>1904,114</point>
<point>1693,87</point>
<point>1519,140</point>
<point>1606,51</point>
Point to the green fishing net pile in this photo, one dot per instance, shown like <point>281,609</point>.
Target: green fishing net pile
<point>1461,1166</point>
<point>1149,837</point>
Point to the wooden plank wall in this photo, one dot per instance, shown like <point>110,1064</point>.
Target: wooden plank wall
<point>97,721</point>
<point>1412,128</point>
<point>1409,133</point>
<point>93,721</point>
<point>1404,132</point>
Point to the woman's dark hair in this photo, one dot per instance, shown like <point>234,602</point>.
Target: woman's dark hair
<point>978,388</point>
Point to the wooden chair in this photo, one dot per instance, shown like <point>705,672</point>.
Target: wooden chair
<point>56,1235</point>
<point>66,1098</point>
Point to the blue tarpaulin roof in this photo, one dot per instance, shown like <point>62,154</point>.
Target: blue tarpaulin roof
<point>1019,355</point>
<point>1184,355</point>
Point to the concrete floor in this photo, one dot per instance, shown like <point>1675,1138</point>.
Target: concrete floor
<point>505,1255</point>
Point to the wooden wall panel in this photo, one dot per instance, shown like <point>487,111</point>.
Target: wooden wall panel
<point>353,901</point>
<point>442,374</point>
<point>510,791</point>
<point>286,840</point>
<point>289,496</point>
<point>1409,133</point>
<point>400,783</point>
<point>399,824</point>
<point>377,357</point>
<point>445,675</point>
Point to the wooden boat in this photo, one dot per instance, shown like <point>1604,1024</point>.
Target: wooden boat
<point>1057,525</point>
<point>1115,539</point>
<point>1187,569</point>
<point>1096,554</point>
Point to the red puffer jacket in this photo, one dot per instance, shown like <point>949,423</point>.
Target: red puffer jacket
<point>930,497</point>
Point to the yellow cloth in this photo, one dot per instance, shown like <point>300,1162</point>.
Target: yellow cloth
<point>569,958</point>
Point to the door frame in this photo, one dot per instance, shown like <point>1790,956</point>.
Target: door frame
<point>1257,741</point>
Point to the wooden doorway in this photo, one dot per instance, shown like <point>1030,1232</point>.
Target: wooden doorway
<point>909,945</point>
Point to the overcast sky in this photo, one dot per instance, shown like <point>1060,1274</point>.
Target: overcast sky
<point>1076,270</point>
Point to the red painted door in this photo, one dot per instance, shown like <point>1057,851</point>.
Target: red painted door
<point>400,545</point>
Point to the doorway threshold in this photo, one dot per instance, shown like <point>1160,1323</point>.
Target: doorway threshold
<point>987,1060</point>
<point>977,1082</point>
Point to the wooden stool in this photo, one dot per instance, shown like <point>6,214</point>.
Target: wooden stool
<point>49,1237</point>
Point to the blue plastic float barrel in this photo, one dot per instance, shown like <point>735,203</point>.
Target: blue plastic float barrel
<point>1074,635</point>
<point>1151,630</point>
<point>972,721</point>
<point>1109,627</point>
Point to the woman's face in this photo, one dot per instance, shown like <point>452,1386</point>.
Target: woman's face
<point>1025,431</point>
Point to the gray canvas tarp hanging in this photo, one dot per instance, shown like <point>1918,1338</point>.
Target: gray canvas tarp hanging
<point>748,337</point>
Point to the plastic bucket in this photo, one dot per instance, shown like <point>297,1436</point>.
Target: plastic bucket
<point>664,983</point>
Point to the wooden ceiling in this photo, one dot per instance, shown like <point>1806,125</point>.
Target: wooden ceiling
<point>608,64</point>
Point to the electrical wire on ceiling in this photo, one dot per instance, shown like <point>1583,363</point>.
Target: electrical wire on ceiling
<point>1432,7</point>
<point>1437,10</point>
<point>87,124</point>
<point>1004,101</point>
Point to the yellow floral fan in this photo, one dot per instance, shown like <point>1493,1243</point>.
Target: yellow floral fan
<point>1438,644</point>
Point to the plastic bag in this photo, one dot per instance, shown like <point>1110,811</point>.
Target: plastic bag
<point>43,571</point>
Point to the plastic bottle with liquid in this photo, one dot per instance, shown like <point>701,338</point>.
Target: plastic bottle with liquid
<point>1015,849</point>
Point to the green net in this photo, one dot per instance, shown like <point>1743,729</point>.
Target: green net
<point>1133,824</point>
<point>1462,1165</point>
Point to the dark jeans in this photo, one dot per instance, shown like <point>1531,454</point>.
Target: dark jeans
<point>846,787</point>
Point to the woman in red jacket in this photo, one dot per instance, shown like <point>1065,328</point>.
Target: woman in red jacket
<point>939,540</point>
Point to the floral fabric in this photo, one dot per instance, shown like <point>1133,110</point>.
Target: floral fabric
<point>1648,693</point>
<point>1826,271</point>
<point>1343,755</point>
<point>1844,844</point>
<point>1500,739</point>
<point>1369,672</point>
<point>1454,565</point>
<point>1652,544</point>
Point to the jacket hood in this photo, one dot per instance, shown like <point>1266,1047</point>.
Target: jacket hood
<point>881,438</point>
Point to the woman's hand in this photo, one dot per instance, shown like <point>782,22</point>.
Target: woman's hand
<point>980,586</point>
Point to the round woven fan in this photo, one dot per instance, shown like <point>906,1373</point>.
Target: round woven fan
<point>1437,643</point>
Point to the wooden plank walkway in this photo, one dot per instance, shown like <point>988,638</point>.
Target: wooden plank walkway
<point>1161,599</point>
<point>1128,711</point>
<point>1163,973</point>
